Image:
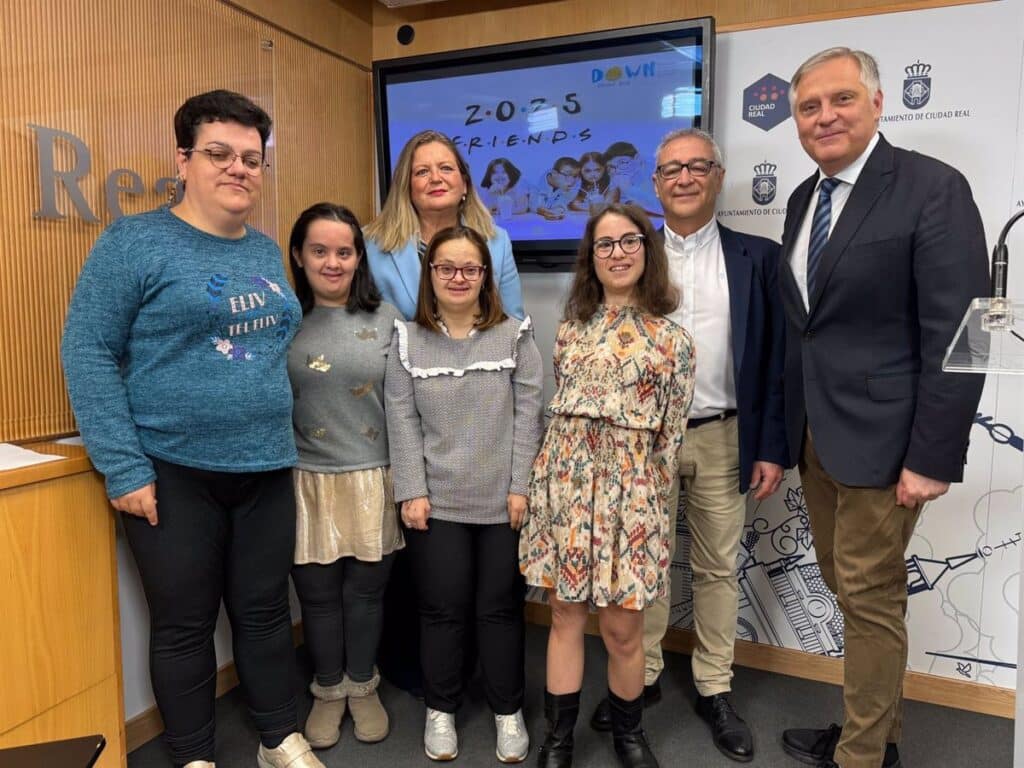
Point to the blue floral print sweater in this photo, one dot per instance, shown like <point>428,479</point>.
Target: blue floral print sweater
<point>175,347</point>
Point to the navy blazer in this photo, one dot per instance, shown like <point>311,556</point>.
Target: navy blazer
<point>864,362</point>
<point>756,317</point>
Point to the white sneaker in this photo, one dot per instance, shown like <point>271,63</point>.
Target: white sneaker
<point>440,741</point>
<point>513,740</point>
<point>200,764</point>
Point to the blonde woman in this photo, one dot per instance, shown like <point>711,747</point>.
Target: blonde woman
<point>431,190</point>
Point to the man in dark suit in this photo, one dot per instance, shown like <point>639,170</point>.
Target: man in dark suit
<point>735,438</point>
<point>883,249</point>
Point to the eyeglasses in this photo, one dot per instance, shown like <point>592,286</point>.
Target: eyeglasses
<point>223,158</point>
<point>472,273</point>
<point>620,163</point>
<point>669,171</point>
<point>604,247</point>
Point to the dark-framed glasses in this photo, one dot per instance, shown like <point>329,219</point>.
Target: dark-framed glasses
<point>671,170</point>
<point>222,158</point>
<point>630,243</point>
<point>621,163</point>
<point>472,272</point>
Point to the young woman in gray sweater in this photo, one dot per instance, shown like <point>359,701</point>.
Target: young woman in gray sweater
<point>463,404</point>
<point>347,528</point>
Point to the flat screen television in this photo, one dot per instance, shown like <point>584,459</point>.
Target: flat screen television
<point>553,128</point>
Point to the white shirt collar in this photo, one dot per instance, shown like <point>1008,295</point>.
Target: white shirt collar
<point>706,234</point>
<point>851,173</point>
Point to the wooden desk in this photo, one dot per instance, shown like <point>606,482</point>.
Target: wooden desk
<point>60,646</point>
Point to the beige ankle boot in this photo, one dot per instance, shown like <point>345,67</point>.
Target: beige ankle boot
<point>371,720</point>
<point>324,721</point>
<point>293,752</point>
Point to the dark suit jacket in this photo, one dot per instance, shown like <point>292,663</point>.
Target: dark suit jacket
<point>863,364</point>
<point>755,311</point>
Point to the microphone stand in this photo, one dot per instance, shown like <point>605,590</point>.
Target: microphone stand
<point>999,315</point>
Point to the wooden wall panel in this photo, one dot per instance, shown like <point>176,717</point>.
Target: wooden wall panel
<point>325,146</point>
<point>471,23</point>
<point>112,73</point>
<point>338,26</point>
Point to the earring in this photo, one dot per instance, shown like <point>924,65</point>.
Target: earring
<point>172,190</point>
<point>463,200</point>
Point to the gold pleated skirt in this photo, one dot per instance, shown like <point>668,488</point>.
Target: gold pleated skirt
<point>345,514</point>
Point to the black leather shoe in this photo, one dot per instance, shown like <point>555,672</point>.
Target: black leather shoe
<point>728,730</point>
<point>812,746</point>
<point>886,764</point>
<point>602,717</point>
<point>817,746</point>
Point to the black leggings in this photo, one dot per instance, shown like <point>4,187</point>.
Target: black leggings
<point>342,613</point>
<point>463,570</point>
<point>221,536</point>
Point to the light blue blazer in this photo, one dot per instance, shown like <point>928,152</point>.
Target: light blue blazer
<point>397,274</point>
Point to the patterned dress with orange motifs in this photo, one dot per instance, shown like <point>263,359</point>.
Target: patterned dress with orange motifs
<point>598,528</point>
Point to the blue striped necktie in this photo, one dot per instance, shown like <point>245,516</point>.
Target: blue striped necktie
<point>819,231</point>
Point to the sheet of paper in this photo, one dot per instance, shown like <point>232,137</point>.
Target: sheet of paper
<point>15,457</point>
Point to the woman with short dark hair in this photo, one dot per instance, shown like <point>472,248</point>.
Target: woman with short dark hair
<point>174,352</point>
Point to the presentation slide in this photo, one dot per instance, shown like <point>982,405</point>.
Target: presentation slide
<point>548,144</point>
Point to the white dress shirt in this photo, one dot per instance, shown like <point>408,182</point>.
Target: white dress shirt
<point>848,176</point>
<point>696,266</point>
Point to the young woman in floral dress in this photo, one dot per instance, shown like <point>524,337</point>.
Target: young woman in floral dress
<point>598,530</point>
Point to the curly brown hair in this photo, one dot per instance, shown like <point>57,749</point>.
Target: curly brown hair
<point>654,291</point>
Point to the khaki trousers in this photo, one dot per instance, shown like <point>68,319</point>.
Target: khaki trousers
<point>860,538</point>
<point>716,511</point>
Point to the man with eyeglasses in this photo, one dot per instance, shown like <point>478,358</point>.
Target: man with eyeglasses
<point>883,250</point>
<point>735,438</point>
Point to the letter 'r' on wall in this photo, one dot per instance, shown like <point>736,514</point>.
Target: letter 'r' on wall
<point>49,176</point>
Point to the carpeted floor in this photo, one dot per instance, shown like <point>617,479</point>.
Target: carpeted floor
<point>933,736</point>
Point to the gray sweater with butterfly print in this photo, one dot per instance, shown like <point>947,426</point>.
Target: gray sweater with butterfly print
<point>336,365</point>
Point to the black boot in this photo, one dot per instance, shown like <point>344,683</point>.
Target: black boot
<point>630,741</point>
<point>561,712</point>
<point>602,717</point>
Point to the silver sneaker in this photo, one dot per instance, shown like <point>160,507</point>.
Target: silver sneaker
<point>293,752</point>
<point>513,740</point>
<point>440,741</point>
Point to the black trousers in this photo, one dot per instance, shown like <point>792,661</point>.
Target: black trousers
<point>342,614</point>
<point>464,571</point>
<point>221,536</point>
<point>399,654</point>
